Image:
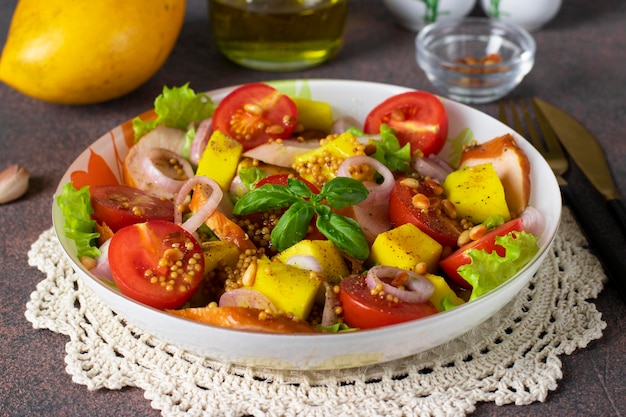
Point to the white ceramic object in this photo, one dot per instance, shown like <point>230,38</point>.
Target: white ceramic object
<point>322,351</point>
<point>530,14</point>
<point>415,14</point>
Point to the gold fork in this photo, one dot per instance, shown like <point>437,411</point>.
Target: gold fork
<point>525,118</point>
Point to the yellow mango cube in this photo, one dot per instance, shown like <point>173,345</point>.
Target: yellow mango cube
<point>219,253</point>
<point>317,115</point>
<point>404,247</point>
<point>477,193</point>
<point>220,159</point>
<point>289,288</point>
<point>442,290</point>
<point>320,164</point>
<point>329,257</point>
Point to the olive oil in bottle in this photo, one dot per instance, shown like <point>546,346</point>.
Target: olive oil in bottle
<point>278,35</point>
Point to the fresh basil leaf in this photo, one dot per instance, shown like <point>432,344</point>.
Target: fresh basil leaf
<point>265,198</point>
<point>292,226</point>
<point>345,233</point>
<point>299,188</point>
<point>342,192</point>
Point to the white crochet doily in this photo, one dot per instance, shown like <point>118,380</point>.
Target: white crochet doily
<point>511,358</point>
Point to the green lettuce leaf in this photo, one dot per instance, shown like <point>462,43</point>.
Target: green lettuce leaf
<point>488,270</point>
<point>79,226</point>
<point>176,107</point>
<point>389,152</point>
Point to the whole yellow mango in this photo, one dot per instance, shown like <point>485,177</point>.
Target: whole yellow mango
<point>80,52</point>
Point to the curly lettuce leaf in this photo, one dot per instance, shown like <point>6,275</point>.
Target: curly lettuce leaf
<point>79,226</point>
<point>390,153</point>
<point>176,107</point>
<point>388,150</point>
<point>489,270</point>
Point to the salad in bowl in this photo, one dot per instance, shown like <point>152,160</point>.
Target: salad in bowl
<point>307,224</point>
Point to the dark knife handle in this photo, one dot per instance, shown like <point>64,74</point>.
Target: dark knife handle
<point>616,207</point>
<point>613,261</point>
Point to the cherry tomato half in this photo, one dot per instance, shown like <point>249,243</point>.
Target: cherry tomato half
<point>120,205</point>
<point>283,179</point>
<point>451,263</point>
<point>432,221</point>
<point>363,310</point>
<point>255,113</point>
<point>417,117</point>
<point>157,263</point>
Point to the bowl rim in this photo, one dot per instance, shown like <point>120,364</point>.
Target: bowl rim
<point>433,31</point>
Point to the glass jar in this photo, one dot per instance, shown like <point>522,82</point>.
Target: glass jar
<point>278,35</point>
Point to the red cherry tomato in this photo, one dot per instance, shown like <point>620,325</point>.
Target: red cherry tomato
<point>282,179</point>
<point>363,310</point>
<point>418,118</point>
<point>433,221</point>
<point>157,263</point>
<point>255,113</point>
<point>451,263</point>
<point>120,205</point>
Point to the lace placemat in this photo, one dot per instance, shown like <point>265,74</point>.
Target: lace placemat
<point>511,358</point>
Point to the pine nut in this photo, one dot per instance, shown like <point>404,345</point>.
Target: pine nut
<point>464,238</point>
<point>477,231</point>
<point>448,208</point>
<point>420,201</point>
<point>410,182</point>
<point>248,277</point>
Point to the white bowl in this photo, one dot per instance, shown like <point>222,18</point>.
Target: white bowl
<point>324,351</point>
<point>530,14</point>
<point>414,15</point>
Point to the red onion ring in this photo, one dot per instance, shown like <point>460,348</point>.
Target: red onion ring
<point>378,193</point>
<point>533,220</point>
<point>157,176</point>
<point>331,302</point>
<point>246,297</point>
<point>418,289</point>
<point>307,262</point>
<point>199,217</point>
<point>343,123</point>
<point>102,269</point>
<point>432,166</point>
<point>200,140</point>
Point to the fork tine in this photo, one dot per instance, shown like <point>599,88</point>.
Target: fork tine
<point>549,136</point>
<point>530,127</point>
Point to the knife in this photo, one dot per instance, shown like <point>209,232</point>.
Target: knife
<point>572,134</point>
<point>585,150</point>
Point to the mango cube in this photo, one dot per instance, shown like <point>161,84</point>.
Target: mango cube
<point>219,253</point>
<point>317,115</point>
<point>442,291</point>
<point>404,247</point>
<point>220,159</point>
<point>320,164</point>
<point>329,257</point>
<point>477,193</point>
<point>288,287</point>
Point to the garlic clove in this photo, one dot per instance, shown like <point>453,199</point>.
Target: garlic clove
<point>13,183</point>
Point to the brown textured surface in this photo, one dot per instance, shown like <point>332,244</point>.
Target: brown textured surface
<point>580,67</point>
